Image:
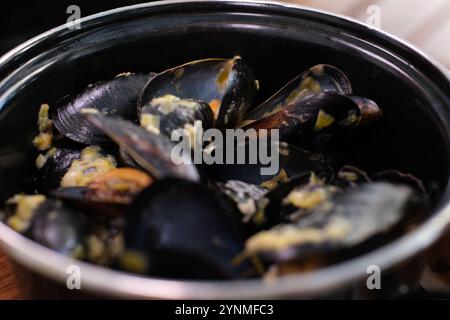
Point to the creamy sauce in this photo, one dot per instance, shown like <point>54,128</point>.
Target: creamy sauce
<point>167,104</point>
<point>285,236</point>
<point>41,159</point>
<point>43,141</point>
<point>89,111</point>
<point>323,120</point>
<point>25,207</point>
<point>306,199</point>
<point>150,122</point>
<point>92,164</point>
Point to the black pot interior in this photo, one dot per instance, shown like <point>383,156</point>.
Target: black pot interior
<point>411,137</point>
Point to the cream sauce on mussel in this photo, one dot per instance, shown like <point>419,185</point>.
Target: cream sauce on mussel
<point>64,229</point>
<point>227,85</point>
<point>317,79</point>
<point>325,112</point>
<point>169,113</point>
<point>152,152</point>
<point>71,166</point>
<point>351,219</point>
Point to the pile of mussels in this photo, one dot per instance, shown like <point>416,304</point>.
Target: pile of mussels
<point>108,192</point>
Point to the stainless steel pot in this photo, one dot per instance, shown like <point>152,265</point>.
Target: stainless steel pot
<point>278,40</point>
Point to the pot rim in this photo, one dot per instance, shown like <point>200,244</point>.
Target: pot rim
<point>120,284</point>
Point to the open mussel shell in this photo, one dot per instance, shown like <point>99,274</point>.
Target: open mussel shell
<point>69,165</point>
<point>397,177</point>
<point>116,97</point>
<point>286,161</point>
<point>317,79</point>
<point>227,85</point>
<point>81,198</point>
<point>326,112</point>
<point>68,231</point>
<point>151,151</point>
<point>168,113</point>
<point>352,219</point>
<point>277,206</point>
<point>109,194</point>
<point>58,227</point>
<point>178,228</point>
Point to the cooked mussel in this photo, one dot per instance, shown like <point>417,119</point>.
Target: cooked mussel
<point>71,166</point>
<point>178,228</point>
<point>116,97</point>
<point>62,228</point>
<point>168,113</point>
<point>397,177</point>
<point>152,152</point>
<point>351,219</point>
<point>257,199</point>
<point>227,85</point>
<point>262,208</point>
<point>293,199</point>
<point>58,227</point>
<point>53,165</point>
<point>317,79</point>
<point>324,112</point>
<point>108,194</point>
<point>48,222</point>
<point>293,162</point>
<point>299,197</point>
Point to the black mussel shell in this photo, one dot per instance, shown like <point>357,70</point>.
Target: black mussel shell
<point>397,177</point>
<point>79,197</point>
<point>182,229</point>
<point>116,97</point>
<point>58,227</point>
<point>168,113</point>
<point>69,232</point>
<point>293,162</point>
<point>107,195</point>
<point>55,163</point>
<point>227,85</point>
<point>323,113</point>
<point>317,79</point>
<point>49,176</point>
<point>261,208</point>
<point>354,217</point>
<point>151,151</point>
<point>274,207</point>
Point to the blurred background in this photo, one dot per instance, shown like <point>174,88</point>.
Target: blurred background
<point>424,23</point>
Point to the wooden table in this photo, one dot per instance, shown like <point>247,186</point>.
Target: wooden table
<point>7,286</point>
